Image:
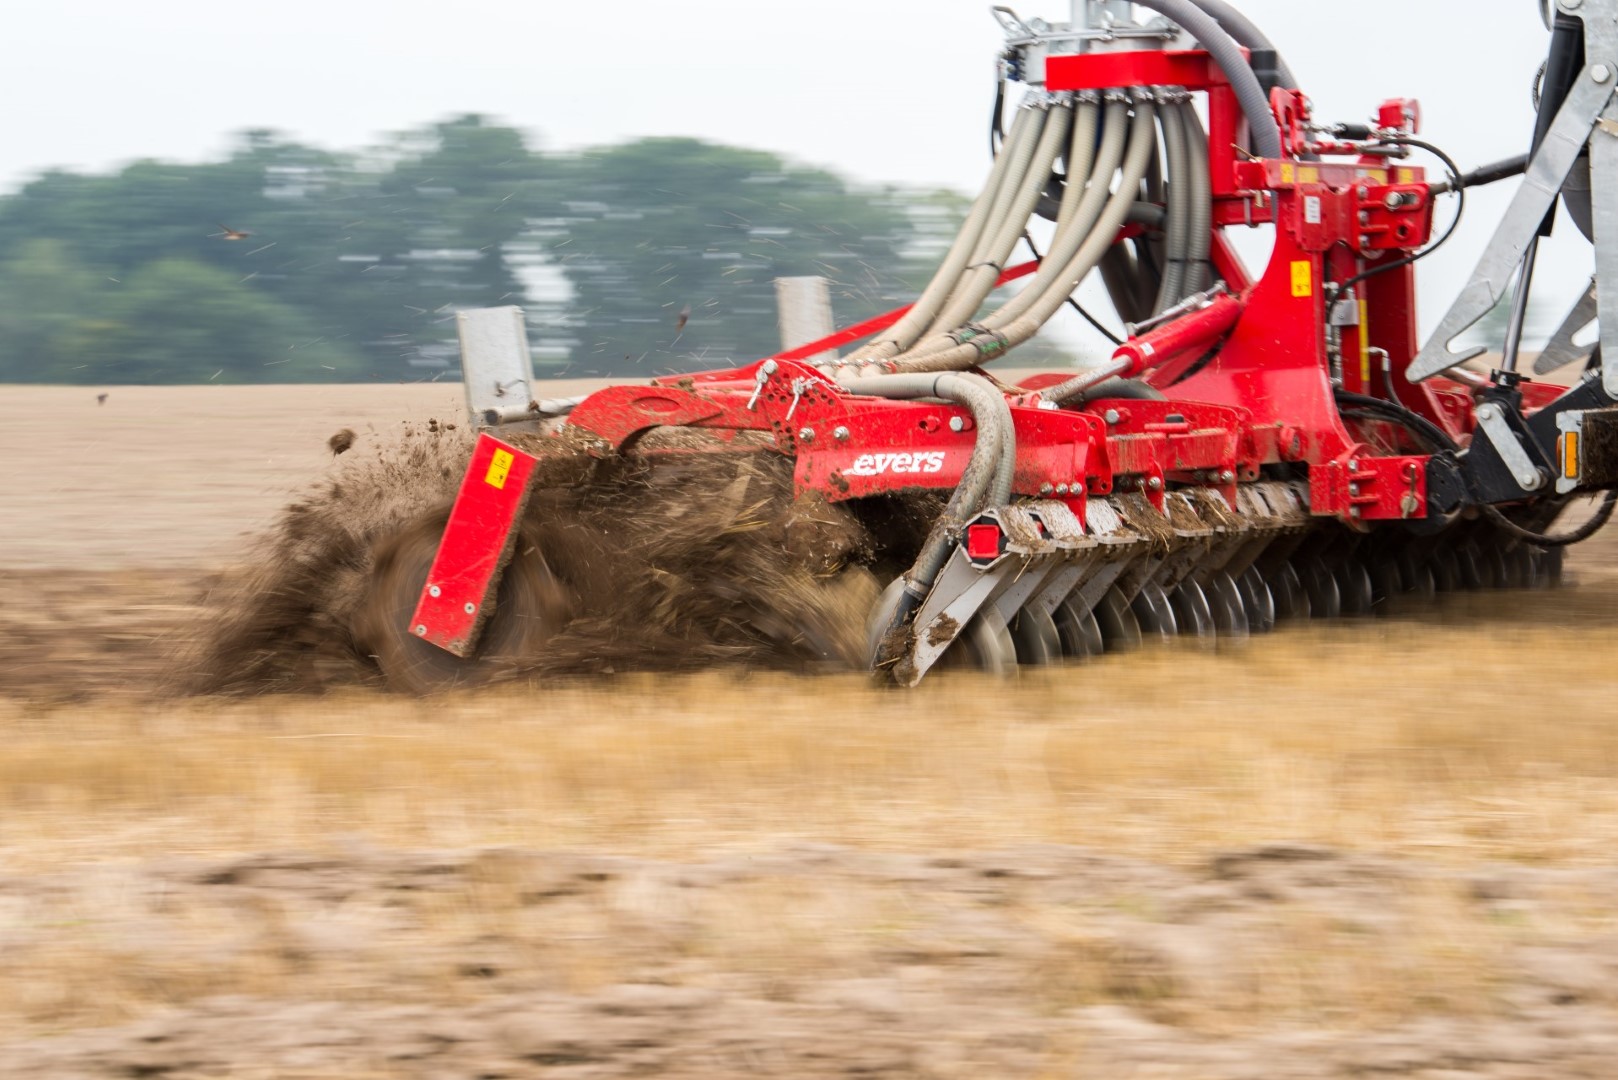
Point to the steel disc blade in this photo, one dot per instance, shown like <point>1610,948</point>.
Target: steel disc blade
<point>1469,563</point>
<point>1553,567</point>
<point>1225,599</point>
<point>1446,570</point>
<point>1325,598</point>
<point>1520,567</point>
<point>1151,606</point>
<point>1258,601</point>
<point>1416,578</point>
<point>985,644</point>
<point>531,605</point>
<point>1387,588</point>
<point>1078,629</point>
<point>1034,636</point>
<point>1120,629</point>
<point>1499,568</point>
<point>1192,615</point>
<point>1357,591</point>
<point>1286,587</point>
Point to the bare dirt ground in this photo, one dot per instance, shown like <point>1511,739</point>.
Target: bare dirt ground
<point>1376,848</point>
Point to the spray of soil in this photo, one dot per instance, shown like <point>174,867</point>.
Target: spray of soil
<point>677,560</point>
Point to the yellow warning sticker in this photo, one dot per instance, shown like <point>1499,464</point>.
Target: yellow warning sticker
<point>1286,172</point>
<point>1365,345</point>
<point>1303,279</point>
<point>1308,174</point>
<point>1406,176</point>
<point>499,469</point>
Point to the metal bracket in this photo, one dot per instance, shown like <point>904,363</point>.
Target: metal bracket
<point>1572,132</point>
<point>1492,419</point>
<point>1560,350</point>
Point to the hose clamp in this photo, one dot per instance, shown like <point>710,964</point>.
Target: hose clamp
<point>1117,96</point>
<point>1087,97</point>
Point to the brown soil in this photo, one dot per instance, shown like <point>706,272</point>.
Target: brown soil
<point>1375,848</point>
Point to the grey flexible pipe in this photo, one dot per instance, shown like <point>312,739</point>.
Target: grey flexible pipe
<point>980,485</point>
<point>993,251</point>
<point>1247,34</point>
<point>1228,55</point>
<point>1179,217</point>
<point>1201,200</point>
<point>1004,335</point>
<point>904,332</point>
<point>1083,381</point>
<point>1082,204</point>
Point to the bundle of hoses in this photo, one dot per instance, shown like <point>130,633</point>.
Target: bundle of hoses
<point>1110,144</point>
<point>1115,172</point>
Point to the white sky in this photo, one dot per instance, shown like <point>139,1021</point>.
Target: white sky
<point>878,90</point>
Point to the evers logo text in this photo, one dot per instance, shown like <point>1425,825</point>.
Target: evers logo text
<point>880,464</point>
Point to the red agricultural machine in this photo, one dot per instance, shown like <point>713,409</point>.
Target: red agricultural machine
<point>1261,445</point>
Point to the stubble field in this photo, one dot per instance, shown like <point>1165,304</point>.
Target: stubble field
<point>1374,848</point>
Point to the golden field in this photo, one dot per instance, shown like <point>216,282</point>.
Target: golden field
<point>1378,846</point>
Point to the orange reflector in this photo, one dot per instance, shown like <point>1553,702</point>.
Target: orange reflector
<point>1570,455</point>
<point>982,542</point>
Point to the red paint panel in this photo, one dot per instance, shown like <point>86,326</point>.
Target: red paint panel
<point>1192,69</point>
<point>476,546</point>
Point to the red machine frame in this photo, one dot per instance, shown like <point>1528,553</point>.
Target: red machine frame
<point>1247,377</point>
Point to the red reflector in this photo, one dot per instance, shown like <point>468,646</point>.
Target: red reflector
<point>983,541</point>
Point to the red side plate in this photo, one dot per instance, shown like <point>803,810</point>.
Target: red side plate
<point>476,546</point>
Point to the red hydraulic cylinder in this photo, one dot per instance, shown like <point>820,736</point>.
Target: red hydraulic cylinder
<point>1182,340</point>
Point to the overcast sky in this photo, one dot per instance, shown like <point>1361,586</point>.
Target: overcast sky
<point>878,90</point>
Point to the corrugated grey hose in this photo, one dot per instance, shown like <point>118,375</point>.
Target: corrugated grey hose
<point>1198,273</point>
<point>1009,220</point>
<point>902,334</point>
<point>998,333</point>
<point>1241,28</point>
<point>986,481</point>
<point>1177,240</point>
<point>1082,205</point>
<point>1228,55</point>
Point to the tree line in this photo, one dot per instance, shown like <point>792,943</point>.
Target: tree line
<point>289,263</point>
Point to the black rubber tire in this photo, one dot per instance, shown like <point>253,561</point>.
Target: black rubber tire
<point>530,606</point>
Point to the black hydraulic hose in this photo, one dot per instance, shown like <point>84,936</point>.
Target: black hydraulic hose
<point>1460,210</point>
<point>1248,34</point>
<point>1485,174</point>
<point>1596,523</point>
<point>1073,301</point>
<point>1228,55</point>
<point>997,118</point>
<point>1439,439</point>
